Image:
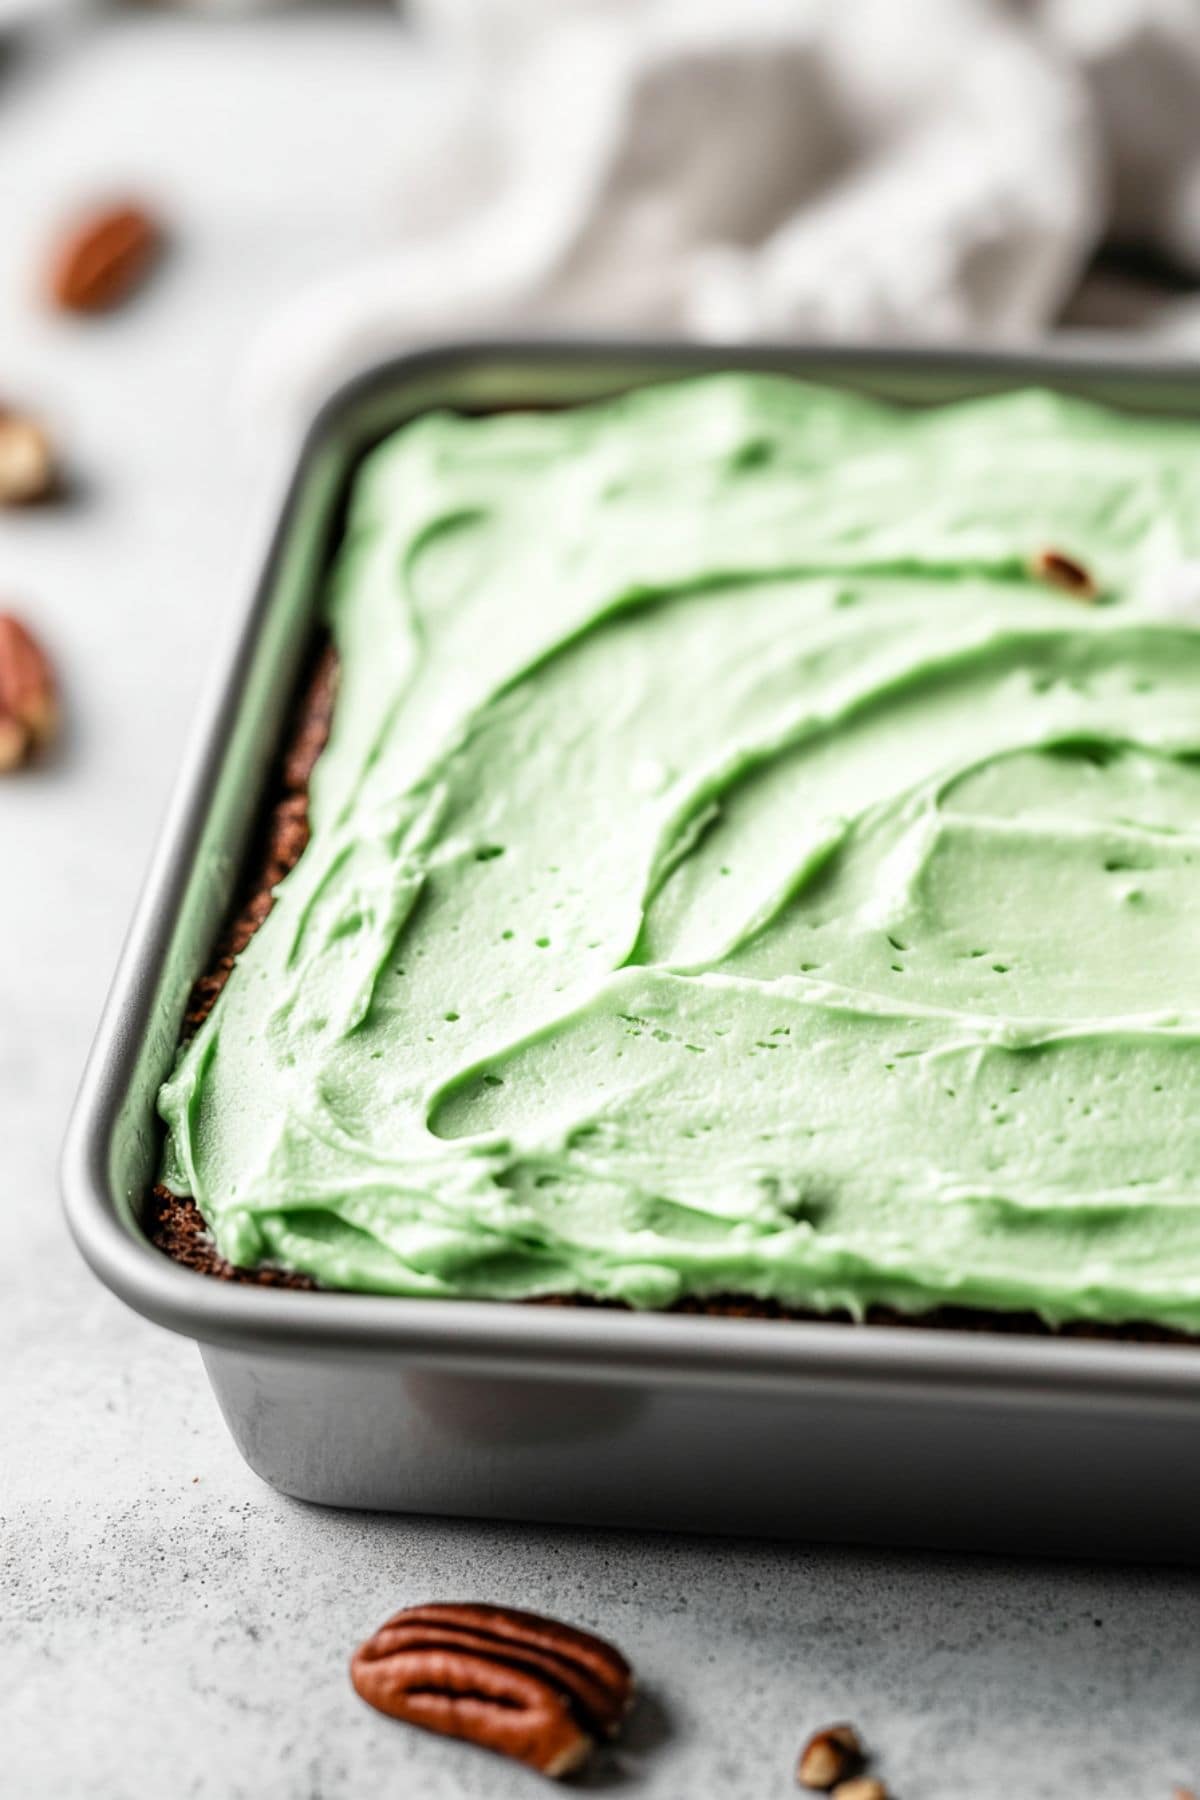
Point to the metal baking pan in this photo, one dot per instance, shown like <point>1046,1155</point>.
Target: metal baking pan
<point>501,1410</point>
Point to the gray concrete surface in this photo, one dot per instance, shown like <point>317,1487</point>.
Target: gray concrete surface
<point>169,1627</point>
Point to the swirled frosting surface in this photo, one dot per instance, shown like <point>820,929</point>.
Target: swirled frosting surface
<point>733,872</point>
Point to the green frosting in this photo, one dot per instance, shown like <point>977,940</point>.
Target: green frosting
<point>732,871</point>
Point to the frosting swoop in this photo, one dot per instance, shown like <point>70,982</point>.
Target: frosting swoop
<point>732,871</point>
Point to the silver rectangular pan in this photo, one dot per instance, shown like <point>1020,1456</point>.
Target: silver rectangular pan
<point>871,1434</point>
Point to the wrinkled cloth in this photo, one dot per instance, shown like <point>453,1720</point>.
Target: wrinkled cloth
<point>736,169</point>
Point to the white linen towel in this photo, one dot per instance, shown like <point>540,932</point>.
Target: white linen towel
<point>894,169</point>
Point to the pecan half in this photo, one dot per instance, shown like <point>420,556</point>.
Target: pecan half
<point>28,700</point>
<point>1063,571</point>
<point>528,1687</point>
<point>102,258</point>
<point>27,471</point>
<point>829,1756</point>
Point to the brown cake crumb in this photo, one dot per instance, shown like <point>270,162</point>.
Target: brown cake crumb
<point>282,839</point>
<point>177,1228</point>
<point>313,724</point>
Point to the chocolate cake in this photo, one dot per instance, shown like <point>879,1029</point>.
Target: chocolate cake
<point>1020,748</point>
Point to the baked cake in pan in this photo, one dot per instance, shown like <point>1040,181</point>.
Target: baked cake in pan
<point>753,867</point>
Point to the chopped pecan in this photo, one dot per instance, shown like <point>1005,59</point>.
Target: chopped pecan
<point>1065,572</point>
<point>829,1756</point>
<point>102,258</point>
<point>528,1687</point>
<point>27,468</point>
<point>14,744</point>
<point>28,700</point>
<point>863,1787</point>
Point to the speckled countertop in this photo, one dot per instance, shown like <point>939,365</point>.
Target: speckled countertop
<point>170,1626</point>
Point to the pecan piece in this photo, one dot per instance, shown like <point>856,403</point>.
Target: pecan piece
<point>1065,572</point>
<point>102,258</point>
<point>529,1687</point>
<point>27,471</point>
<point>28,702</point>
<point>863,1787</point>
<point>829,1756</point>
